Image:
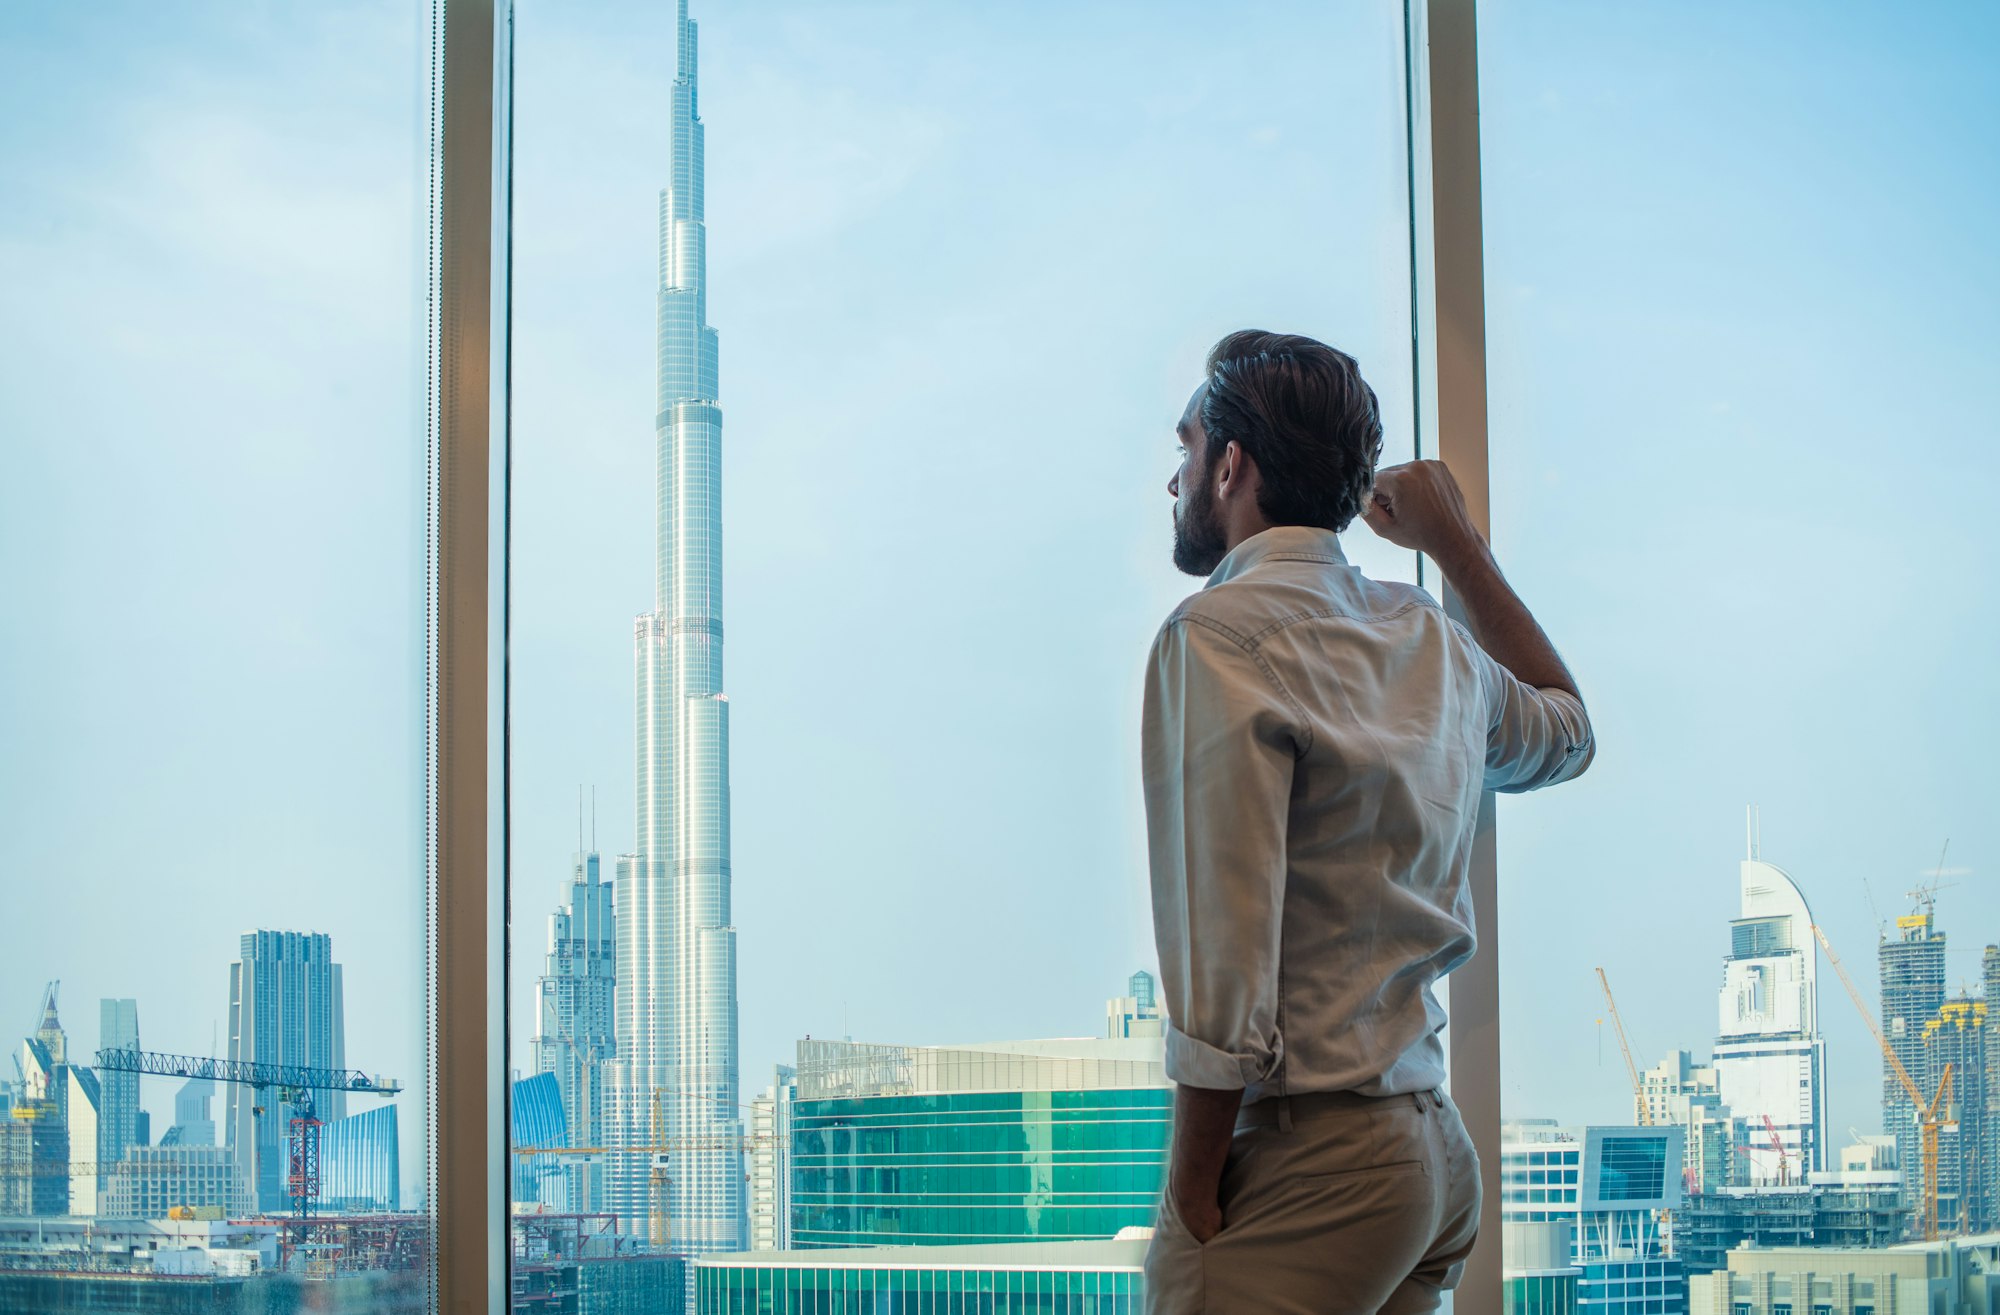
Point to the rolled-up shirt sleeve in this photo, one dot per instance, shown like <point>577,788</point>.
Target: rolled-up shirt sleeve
<point>1221,739</point>
<point>1535,737</point>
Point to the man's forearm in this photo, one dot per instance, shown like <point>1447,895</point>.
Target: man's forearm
<point>1501,622</point>
<point>1204,1123</point>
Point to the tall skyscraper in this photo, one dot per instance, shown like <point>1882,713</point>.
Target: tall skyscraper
<point>676,992</point>
<point>285,1007</point>
<point>1912,980</point>
<point>1989,963</point>
<point>575,1036</point>
<point>1770,1060</point>
<point>1957,1037</point>
<point>35,1167</point>
<point>118,1115</point>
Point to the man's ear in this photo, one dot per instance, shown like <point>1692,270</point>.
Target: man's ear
<point>1226,468</point>
<point>1237,470</point>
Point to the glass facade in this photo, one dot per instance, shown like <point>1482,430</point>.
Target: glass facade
<point>970,1288</point>
<point>358,1162</point>
<point>286,1006</point>
<point>537,1120</point>
<point>674,1002</point>
<point>1540,1294</point>
<point>977,1166</point>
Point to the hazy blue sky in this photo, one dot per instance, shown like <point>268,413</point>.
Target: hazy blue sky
<point>964,264</point>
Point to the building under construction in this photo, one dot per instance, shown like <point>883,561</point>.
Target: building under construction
<point>580,1264</point>
<point>1838,1210</point>
<point>1912,981</point>
<point>378,1263</point>
<point>1957,1037</point>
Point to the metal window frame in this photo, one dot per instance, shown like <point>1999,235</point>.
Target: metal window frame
<point>466,735</point>
<point>1449,328</point>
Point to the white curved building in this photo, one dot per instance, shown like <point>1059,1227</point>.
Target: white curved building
<point>1770,1060</point>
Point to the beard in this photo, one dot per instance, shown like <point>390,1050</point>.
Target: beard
<point>1199,541</point>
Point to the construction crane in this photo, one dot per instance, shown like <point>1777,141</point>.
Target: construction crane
<point>1778,1146</point>
<point>585,1065</point>
<point>1929,1113</point>
<point>295,1085</point>
<point>1645,1107</point>
<point>659,1227</point>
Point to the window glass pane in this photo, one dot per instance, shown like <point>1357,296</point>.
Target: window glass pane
<point>1740,409</point>
<point>851,339</point>
<point>213,532</point>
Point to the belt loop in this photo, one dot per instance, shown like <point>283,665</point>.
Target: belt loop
<point>1284,1114</point>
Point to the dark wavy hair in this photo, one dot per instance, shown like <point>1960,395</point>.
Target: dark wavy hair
<point>1302,412</point>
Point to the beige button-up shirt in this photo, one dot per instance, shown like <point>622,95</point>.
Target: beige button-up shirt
<point>1315,746</point>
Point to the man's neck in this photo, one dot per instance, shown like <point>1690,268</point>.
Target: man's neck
<point>1241,529</point>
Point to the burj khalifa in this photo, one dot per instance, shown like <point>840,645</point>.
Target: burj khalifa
<point>674,1081</point>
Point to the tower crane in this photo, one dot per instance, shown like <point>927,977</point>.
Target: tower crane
<point>1645,1107</point>
<point>295,1084</point>
<point>1929,1113</point>
<point>1778,1147</point>
<point>585,1065</point>
<point>659,1228</point>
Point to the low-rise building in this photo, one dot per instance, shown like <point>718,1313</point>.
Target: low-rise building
<point>1538,1271</point>
<point>1014,1141</point>
<point>1956,1276</point>
<point>152,1180</point>
<point>204,1246</point>
<point>1101,1277</point>
<point>1613,1190</point>
<point>1853,1207</point>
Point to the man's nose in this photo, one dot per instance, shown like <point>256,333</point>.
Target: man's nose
<point>1174,484</point>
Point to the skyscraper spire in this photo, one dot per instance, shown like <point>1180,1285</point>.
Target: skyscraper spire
<point>676,991</point>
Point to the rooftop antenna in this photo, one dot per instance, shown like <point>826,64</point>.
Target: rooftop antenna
<point>579,820</point>
<point>1751,832</point>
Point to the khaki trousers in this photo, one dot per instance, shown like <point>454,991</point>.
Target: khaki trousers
<point>1331,1205</point>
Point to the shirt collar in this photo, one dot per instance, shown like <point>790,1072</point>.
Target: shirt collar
<point>1307,541</point>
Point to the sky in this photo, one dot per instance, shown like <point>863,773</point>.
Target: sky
<point>964,264</point>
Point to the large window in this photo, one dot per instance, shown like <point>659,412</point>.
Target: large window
<point>876,320</point>
<point>212,654</point>
<point>1740,291</point>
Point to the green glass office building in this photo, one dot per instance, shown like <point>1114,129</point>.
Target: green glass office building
<point>938,1147</point>
<point>1054,1278</point>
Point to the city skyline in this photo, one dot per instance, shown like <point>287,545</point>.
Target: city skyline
<point>1589,449</point>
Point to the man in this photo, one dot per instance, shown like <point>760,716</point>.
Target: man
<point>1315,746</point>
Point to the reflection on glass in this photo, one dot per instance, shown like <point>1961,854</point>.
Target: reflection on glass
<point>212,528</point>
